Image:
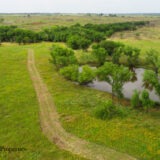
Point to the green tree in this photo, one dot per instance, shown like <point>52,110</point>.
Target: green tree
<point>78,42</point>
<point>116,55</point>
<point>132,56</point>
<point>153,59</point>
<point>62,57</point>
<point>116,76</point>
<point>147,103</point>
<point>70,72</point>
<point>110,46</point>
<point>86,75</point>
<point>43,36</point>
<point>19,40</point>
<point>151,81</point>
<point>26,40</point>
<point>100,54</point>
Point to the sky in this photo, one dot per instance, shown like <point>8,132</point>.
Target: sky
<point>80,6</point>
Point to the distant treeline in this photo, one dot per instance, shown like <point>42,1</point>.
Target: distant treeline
<point>76,36</point>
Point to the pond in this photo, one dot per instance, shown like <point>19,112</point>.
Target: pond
<point>128,87</point>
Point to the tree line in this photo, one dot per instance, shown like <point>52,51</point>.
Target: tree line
<point>76,36</point>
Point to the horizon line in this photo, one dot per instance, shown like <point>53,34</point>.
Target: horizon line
<point>79,13</point>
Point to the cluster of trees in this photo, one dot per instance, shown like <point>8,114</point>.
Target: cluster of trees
<point>14,34</point>
<point>114,51</point>
<point>151,81</point>
<point>76,36</point>
<point>65,61</point>
<point>77,42</point>
<point>109,29</point>
<point>82,75</point>
<point>109,46</point>
<point>80,37</point>
<point>112,72</point>
<point>105,49</point>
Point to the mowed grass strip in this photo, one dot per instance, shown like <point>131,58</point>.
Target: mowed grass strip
<point>19,111</point>
<point>138,134</point>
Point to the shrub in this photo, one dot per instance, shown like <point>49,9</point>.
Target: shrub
<point>70,72</point>
<point>62,57</point>
<point>87,75</point>
<point>108,110</point>
<point>78,42</point>
<point>135,100</point>
<point>87,58</point>
<point>141,101</point>
<point>110,46</point>
<point>146,101</point>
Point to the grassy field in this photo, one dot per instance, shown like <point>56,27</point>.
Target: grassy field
<point>37,22</point>
<point>145,38</point>
<point>137,134</point>
<point>143,45</point>
<point>19,111</point>
<point>149,32</point>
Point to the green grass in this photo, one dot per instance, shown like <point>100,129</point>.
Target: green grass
<point>144,45</point>
<point>149,32</point>
<point>19,111</point>
<point>148,37</point>
<point>138,134</point>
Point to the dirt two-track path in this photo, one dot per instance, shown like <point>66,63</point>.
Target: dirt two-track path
<point>53,129</point>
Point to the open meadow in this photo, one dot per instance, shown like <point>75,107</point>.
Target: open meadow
<point>136,134</point>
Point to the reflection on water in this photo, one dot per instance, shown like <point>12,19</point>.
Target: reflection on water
<point>128,87</point>
<point>134,78</point>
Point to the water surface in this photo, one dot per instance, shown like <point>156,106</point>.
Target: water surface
<point>128,87</point>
